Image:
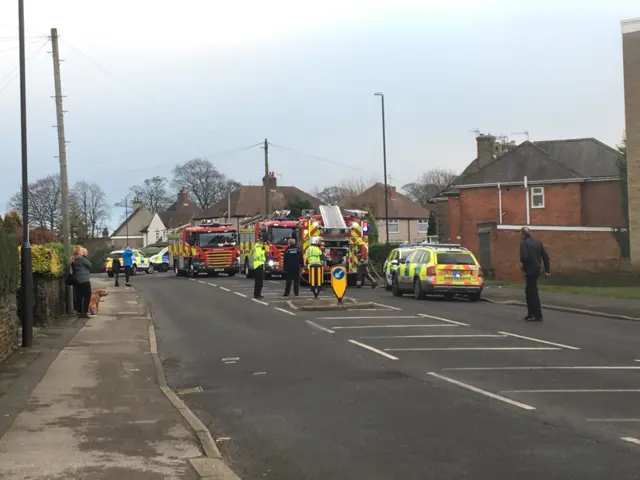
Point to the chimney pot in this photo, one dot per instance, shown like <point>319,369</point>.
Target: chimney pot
<point>270,181</point>
<point>486,148</point>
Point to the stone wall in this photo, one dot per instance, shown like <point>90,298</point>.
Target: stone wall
<point>48,299</point>
<point>9,326</point>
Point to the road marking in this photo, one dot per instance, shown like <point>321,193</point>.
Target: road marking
<point>319,327</point>
<point>453,322</point>
<point>546,368</point>
<point>231,362</point>
<point>229,359</point>
<point>200,281</point>
<point>225,289</point>
<point>613,420</point>
<point>386,306</point>
<point>595,390</point>
<point>439,336</point>
<point>391,326</point>
<point>482,392</point>
<point>213,284</point>
<point>461,349</point>
<point>540,341</point>
<point>260,373</point>
<point>373,349</point>
<point>631,440</point>
<point>365,318</point>
<point>285,311</point>
<point>187,391</point>
<point>273,281</point>
<point>240,294</point>
<point>259,301</point>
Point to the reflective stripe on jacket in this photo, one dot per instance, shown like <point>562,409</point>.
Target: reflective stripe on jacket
<point>259,256</point>
<point>313,255</point>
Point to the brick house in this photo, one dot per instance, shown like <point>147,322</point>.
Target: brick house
<point>571,186</point>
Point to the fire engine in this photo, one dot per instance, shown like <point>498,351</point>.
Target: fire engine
<point>210,248</point>
<point>276,231</point>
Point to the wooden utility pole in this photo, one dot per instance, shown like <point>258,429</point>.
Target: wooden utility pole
<point>62,156</point>
<point>267,203</point>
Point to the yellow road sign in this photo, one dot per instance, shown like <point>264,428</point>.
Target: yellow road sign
<point>339,281</point>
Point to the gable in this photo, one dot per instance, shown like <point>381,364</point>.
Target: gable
<point>136,222</point>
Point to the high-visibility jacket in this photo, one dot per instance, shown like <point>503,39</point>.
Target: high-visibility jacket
<point>259,257</point>
<point>313,255</point>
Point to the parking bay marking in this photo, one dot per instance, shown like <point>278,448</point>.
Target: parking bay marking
<point>631,440</point>
<point>213,284</point>
<point>614,420</point>
<point>391,326</point>
<point>373,349</point>
<point>240,294</point>
<point>285,311</point>
<point>481,392</point>
<point>585,367</point>
<point>259,301</point>
<point>367,318</point>
<point>531,339</point>
<point>319,327</point>
<point>386,306</point>
<point>225,289</point>
<point>439,336</point>
<point>453,322</point>
<point>586,390</point>
<point>460,349</point>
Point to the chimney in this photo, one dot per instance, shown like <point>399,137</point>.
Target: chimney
<point>392,192</point>
<point>105,232</point>
<point>136,204</point>
<point>486,145</point>
<point>183,198</point>
<point>270,181</point>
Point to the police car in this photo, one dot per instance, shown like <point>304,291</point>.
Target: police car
<point>140,262</point>
<point>395,257</point>
<point>160,261</point>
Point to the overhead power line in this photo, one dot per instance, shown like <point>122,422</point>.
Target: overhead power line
<point>15,47</point>
<point>15,72</point>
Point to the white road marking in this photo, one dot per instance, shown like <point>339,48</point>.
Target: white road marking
<point>440,336</point>
<point>192,279</point>
<point>187,391</point>
<point>260,373</point>
<point>595,390</point>
<point>631,440</point>
<point>373,349</point>
<point>459,349</point>
<point>200,281</point>
<point>636,360</point>
<point>273,281</point>
<point>229,363</point>
<point>365,318</point>
<point>453,322</point>
<point>228,359</point>
<point>613,420</point>
<point>391,326</point>
<point>540,341</point>
<point>213,284</point>
<point>259,301</point>
<point>225,289</point>
<point>319,327</point>
<point>285,311</point>
<point>482,392</point>
<point>633,367</point>
<point>240,294</point>
<point>386,306</point>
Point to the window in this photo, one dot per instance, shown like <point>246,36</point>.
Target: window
<point>158,233</point>
<point>537,197</point>
<point>455,259</point>
<point>411,257</point>
<point>394,226</point>
<point>423,226</point>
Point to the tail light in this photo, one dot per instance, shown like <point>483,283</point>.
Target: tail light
<point>431,271</point>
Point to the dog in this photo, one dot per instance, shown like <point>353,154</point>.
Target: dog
<point>94,303</point>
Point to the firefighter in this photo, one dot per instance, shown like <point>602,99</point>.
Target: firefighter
<point>363,267</point>
<point>259,259</point>
<point>292,263</point>
<point>314,254</point>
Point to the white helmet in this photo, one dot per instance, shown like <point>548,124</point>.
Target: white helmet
<point>315,240</point>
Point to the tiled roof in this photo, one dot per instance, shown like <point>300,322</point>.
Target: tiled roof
<point>181,212</point>
<point>400,206</point>
<point>137,222</point>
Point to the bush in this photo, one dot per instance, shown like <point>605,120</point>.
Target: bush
<point>48,260</point>
<point>378,253</point>
<point>9,264</point>
<point>97,258</point>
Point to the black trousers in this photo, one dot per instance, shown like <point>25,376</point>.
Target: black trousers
<point>534,309</point>
<point>365,274</point>
<point>258,275</point>
<point>127,274</point>
<point>77,299</point>
<point>84,292</point>
<point>293,277</point>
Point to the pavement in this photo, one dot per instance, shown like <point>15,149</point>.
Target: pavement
<point>623,309</point>
<point>94,409</point>
<point>408,389</point>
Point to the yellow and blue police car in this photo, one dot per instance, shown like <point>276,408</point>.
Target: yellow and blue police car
<point>438,269</point>
<point>140,262</point>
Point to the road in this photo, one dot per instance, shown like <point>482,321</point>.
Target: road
<point>411,390</point>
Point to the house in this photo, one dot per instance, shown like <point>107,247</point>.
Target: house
<point>249,201</point>
<point>408,220</point>
<point>130,232</point>
<point>555,186</point>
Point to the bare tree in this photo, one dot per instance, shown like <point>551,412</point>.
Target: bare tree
<point>45,198</point>
<point>430,184</point>
<point>344,191</point>
<point>203,182</point>
<point>92,205</point>
<point>153,193</point>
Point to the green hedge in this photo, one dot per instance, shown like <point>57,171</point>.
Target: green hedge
<point>9,264</point>
<point>378,253</point>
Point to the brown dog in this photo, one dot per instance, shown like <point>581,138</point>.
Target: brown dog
<point>94,303</point>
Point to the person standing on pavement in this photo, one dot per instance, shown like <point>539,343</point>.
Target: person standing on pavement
<point>533,256</point>
<point>259,259</point>
<point>127,263</point>
<point>82,271</point>
<point>292,264</point>
<point>115,268</point>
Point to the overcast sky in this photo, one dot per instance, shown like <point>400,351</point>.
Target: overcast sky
<point>149,84</point>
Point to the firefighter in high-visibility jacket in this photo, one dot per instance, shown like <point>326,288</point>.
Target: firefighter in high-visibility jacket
<point>313,255</point>
<point>259,259</point>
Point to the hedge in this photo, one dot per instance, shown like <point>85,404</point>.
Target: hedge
<point>48,260</point>
<point>9,264</point>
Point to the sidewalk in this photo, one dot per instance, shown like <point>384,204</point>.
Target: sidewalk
<point>98,412</point>
<point>570,302</point>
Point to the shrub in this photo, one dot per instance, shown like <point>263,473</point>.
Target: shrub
<point>9,264</point>
<point>378,253</point>
<point>48,260</point>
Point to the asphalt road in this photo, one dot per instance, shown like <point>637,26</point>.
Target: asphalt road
<point>411,390</point>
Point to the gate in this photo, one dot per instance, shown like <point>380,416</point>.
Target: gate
<point>484,240</point>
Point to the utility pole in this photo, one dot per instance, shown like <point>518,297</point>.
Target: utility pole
<point>384,159</point>
<point>126,218</point>
<point>26,286</point>
<point>62,156</point>
<point>267,203</point>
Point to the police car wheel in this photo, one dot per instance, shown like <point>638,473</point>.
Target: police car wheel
<point>386,283</point>
<point>134,270</point>
<point>150,270</point>
<point>418,293</point>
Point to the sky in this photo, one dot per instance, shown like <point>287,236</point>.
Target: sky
<point>150,84</point>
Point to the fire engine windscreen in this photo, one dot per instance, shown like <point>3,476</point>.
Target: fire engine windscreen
<point>281,235</point>
<point>217,239</point>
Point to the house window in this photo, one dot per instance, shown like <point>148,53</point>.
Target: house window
<point>158,234</point>
<point>394,226</point>
<point>423,226</point>
<point>537,197</point>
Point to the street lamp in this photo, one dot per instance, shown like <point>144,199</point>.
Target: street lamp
<point>384,157</point>
<point>26,285</point>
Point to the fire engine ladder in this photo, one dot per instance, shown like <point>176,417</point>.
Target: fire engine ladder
<point>332,217</point>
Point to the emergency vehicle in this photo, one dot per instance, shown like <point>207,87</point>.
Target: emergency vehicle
<point>276,232</point>
<point>210,248</point>
<point>345,234</point>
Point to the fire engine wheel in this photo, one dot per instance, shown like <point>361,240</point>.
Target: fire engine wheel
<point>212,274</point>
<point>192,272</point>
<point>176,270</point>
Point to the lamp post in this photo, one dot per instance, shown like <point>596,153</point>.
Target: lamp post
<point>384,157</point>
<point>26,285</point>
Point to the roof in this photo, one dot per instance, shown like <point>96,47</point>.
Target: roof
<point>585,158</point>
<point>249,200</point>
<point>136,222</point>
<point>400,206</point>
<point>180,212</point>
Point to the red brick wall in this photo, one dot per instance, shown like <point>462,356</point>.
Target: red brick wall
<point>570,252</point>
<point>454,219</point>
<point>602,204</point>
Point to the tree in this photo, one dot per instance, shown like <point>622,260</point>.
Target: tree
<point>45,197</point>
<point>12,223</point>
<point>297,205</point>
<point>153,193</point>
<point>203,182</point>
<point>91,202</point>
<point>430,184</point>
<point>343,192</point>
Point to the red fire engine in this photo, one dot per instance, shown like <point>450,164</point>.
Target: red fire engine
<point>210,248</point>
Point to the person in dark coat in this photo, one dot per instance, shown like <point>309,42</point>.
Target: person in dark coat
<point>115,268</point>
<point>293,262</point>
<point>533,256</point>
<point>82,269</point>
